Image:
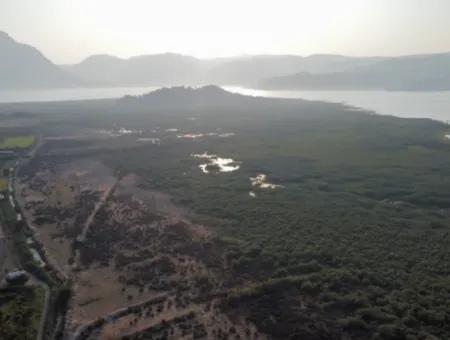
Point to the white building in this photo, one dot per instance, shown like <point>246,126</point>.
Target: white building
<point>16,276</point>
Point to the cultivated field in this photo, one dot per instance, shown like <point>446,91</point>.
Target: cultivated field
<point>19,142</point>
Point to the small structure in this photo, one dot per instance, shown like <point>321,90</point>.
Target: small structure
<point>7,154</point>
<point>2,197</point>
<point>16,277</point>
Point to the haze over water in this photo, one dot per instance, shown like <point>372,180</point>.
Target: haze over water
<point>434,105</point>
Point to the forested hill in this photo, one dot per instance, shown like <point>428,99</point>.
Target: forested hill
<point>189,97</point>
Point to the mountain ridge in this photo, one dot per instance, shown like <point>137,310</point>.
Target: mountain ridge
<point>24,66</point>
<point>425,72</point>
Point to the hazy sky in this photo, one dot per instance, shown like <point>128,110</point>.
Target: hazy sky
<point>67,31</point>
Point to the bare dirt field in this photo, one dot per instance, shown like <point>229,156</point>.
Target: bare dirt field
<point>121,244</point>
<point>58,195</point>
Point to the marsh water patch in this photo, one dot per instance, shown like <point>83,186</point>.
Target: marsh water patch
<point>226,134</point>
<point>206,134</point>
<point>195,135</point>
<point>214,163</point>
<point>122,131</point>
<point>151,140</point>
<point>260,181</point>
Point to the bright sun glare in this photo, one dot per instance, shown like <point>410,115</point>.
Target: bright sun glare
<point>222,28</point>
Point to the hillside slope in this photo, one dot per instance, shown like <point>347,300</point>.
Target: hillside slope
<point>23,66</point>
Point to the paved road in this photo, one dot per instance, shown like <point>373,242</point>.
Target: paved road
<point>20,202</point>
<point>45,309</point>
<point>13,197</point>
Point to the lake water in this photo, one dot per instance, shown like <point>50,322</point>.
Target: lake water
<point>71,94</point>
<point>434,105</point>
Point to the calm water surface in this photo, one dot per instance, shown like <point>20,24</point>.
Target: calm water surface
<point>434,105</point>
<point>71,94</point>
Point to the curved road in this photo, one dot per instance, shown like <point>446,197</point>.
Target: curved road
<point>13,198</point>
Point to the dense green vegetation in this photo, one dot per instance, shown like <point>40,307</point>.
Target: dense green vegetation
<point>20,312</point>
<point>357,242</point>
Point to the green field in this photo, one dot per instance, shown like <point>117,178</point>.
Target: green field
<point>19,142</point>
<point>3,184</point>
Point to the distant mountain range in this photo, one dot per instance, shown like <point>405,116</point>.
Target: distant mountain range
<point>159,69</point>
<point>410,73</point>
<point>22,66</point>
<point>175,69</point>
